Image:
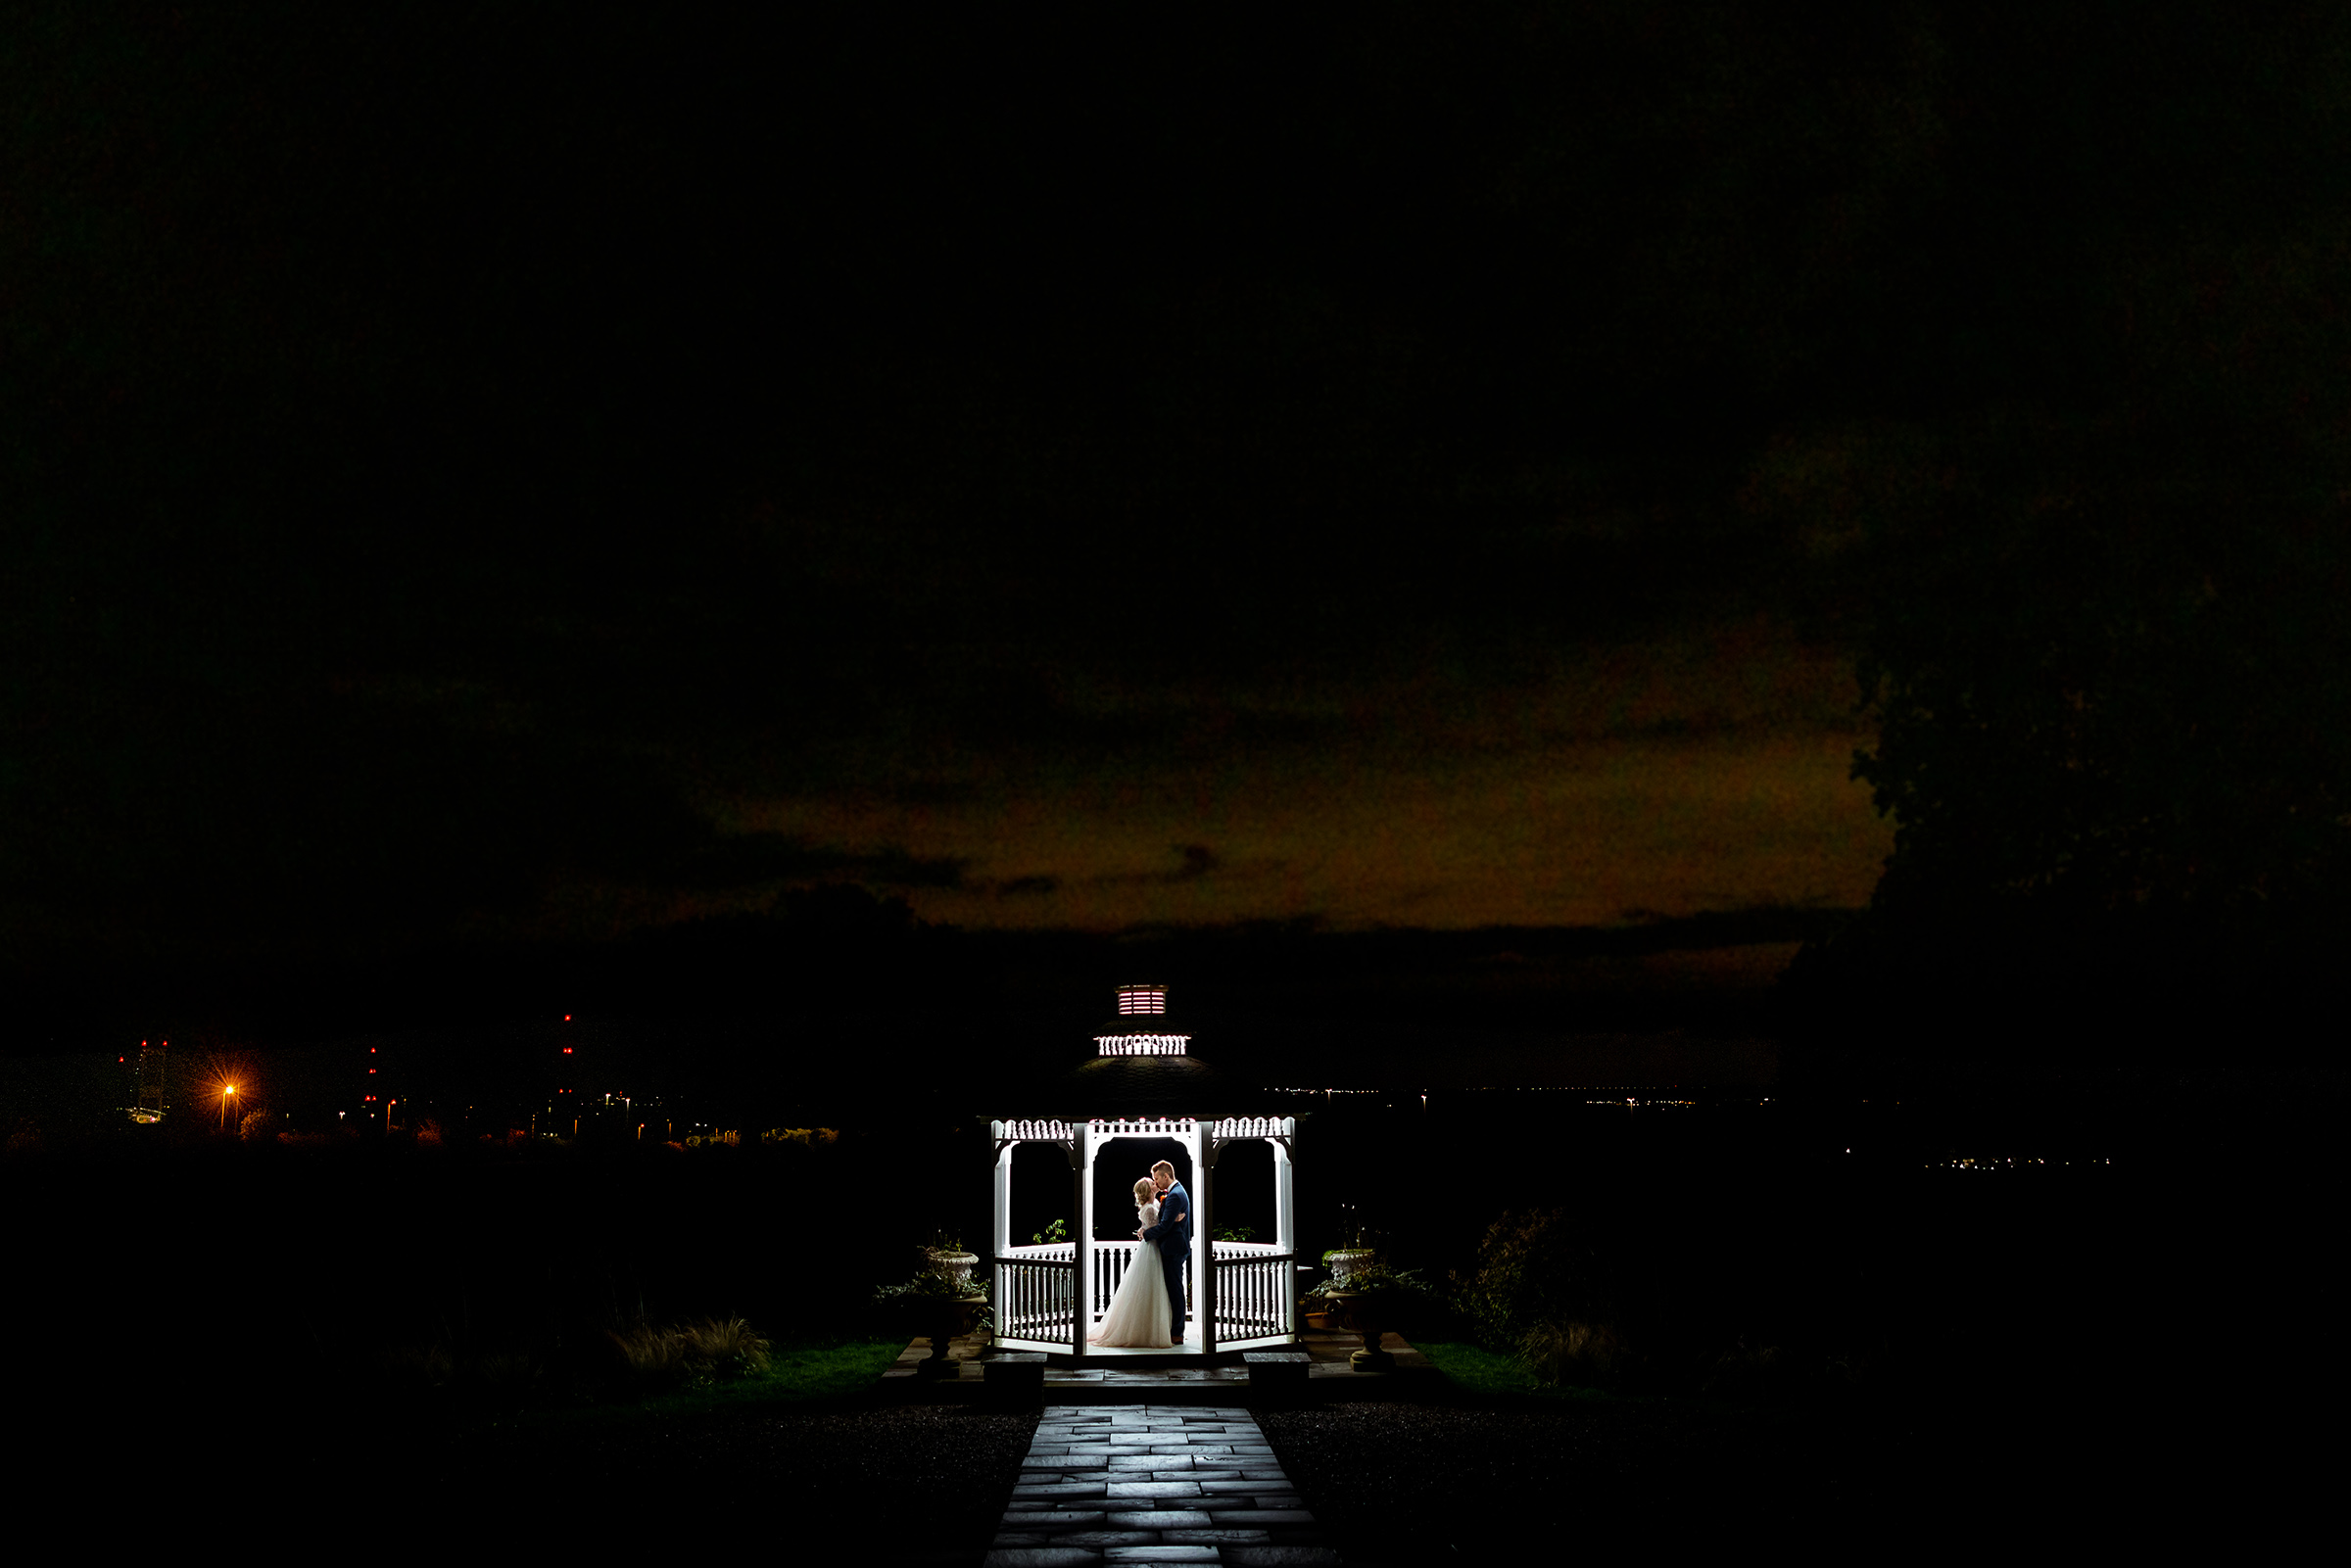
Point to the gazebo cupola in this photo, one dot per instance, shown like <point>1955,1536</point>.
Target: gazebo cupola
<point>1141,1028</point>
<point>1142,1088</point>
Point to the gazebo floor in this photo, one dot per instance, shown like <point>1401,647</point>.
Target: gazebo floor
<point>1169,1375</point>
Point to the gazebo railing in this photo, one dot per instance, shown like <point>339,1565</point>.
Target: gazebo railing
<point>1253,1293</point>
<point>1036,1294</point>
<point>1036,1291</point>
<point>1111,1261</point>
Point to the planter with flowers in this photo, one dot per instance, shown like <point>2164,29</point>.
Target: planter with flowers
<point>1372,1299</point>
<point>939,1303</point>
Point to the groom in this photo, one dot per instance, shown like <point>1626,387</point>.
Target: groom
<point>1173,1233</point>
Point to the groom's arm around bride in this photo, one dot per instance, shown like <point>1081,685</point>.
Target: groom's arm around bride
<point>1174,1232</point>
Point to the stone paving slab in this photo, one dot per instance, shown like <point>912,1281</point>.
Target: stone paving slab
<point>1205,1488</point>
<point>1329,1372</point>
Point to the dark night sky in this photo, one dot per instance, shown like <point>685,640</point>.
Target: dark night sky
<point>565,472</point>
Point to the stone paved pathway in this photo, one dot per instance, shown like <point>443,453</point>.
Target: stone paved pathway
<point>1329,1370</point>
<point>1142,1483</point>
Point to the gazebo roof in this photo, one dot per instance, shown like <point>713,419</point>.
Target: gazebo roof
<point>1143,1086</point>
<point>1142,1066</point>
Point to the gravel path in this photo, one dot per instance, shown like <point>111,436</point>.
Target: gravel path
<point>897,1483</point>
<point>1398,1483</point>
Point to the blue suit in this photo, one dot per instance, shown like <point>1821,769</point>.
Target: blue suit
<point>1174,1234</point>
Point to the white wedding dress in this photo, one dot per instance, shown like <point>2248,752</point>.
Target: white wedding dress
<point>1140,1314</point>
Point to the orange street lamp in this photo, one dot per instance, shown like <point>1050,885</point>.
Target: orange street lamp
<point>227,1092</point>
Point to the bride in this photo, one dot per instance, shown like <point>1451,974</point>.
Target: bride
<point>1140,1314</point>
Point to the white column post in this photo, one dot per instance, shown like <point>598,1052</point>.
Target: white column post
<point>1285,1199</point>
<point>1082,1223</point>
<point>1201,1305</point>
<point>1285,1234</point>
<point>1003,1230</point>
<point>1204,1213</point>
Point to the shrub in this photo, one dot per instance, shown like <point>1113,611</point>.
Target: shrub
<point>724,1349</point>
<point>1592,1355</point>
<point>653,1357</point>
<point>1534,1270</point>
<point>506,1377</point>
<point>1543,1292</point>
<point>411,1368</point>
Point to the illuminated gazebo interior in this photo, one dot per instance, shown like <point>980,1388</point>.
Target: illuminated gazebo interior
<point>1142,1085</point>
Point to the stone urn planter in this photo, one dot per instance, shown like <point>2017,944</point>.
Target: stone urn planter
<point>957,1266</point>
<point>940,1320</point>
<point>1344,1261</point>
<point>1368,1313</point>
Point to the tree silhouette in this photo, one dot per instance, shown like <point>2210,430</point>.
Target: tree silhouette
<point>2107,658</point>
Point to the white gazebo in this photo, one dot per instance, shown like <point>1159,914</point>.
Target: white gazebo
<point>1049,1296</point>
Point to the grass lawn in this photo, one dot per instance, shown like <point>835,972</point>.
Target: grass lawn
<point>803,1449</point>
<point>796,1374</point>
<point>1482,1371</point>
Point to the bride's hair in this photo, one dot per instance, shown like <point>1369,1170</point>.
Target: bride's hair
<point>1144,1192</point>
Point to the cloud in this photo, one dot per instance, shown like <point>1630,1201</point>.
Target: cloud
<point>1557,832</point>
<point>759,859</point>
<point>1196,861</point>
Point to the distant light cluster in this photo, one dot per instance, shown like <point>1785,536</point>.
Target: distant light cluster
<point>2000,1162</point>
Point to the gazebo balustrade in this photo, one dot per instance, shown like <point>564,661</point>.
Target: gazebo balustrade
<point>1252,1282</point>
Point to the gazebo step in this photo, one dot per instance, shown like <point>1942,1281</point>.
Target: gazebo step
<point>1270,1369</point>
<point>1014,1377</point>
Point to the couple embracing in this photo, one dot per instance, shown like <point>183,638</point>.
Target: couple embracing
<point>1148,1307</point>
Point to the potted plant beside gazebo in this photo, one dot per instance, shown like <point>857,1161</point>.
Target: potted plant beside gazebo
<point>939,1303</point>
<point>1372,1299</point>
